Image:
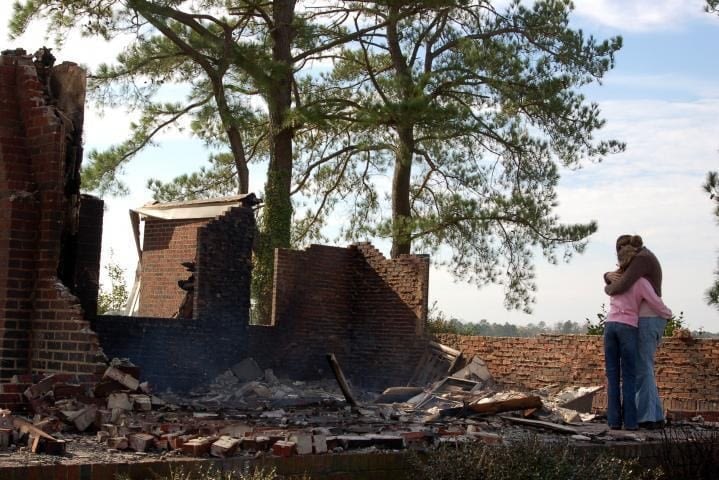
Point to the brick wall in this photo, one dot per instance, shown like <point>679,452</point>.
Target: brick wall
<point>687,371</point>
<point>166,244</point>
<point>89,246</point>
<point>224,267</point>
<point>368,310</point>
<point>179,354</point>
<point>42,326</point>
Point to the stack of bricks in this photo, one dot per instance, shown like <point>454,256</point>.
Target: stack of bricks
<point>38,314</point>
<point>686,369</point>
<point>12,395</point>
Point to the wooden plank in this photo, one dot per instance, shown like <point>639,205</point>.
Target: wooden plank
<point>538,423</point>
<point>491,408</point>
<point>341,380</point>
<point>444,348</point>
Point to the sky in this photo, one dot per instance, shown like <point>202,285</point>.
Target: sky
<point>662,99</point>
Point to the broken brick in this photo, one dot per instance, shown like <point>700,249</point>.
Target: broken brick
<point>140,442</point>
<point>283,448</point>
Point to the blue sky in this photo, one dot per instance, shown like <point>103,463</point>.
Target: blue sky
<point>662,99</point>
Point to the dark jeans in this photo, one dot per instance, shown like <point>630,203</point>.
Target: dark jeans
<point>620,360</point>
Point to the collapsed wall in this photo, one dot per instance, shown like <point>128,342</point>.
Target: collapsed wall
<point>368,310</point>
<point>49,232</point>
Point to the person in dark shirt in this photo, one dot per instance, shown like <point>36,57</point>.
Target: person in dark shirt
<point>650,412</point>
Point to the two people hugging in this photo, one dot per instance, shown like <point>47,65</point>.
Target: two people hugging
<point>633,330</point>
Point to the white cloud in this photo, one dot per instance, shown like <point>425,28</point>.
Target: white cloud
<point>640,15</point>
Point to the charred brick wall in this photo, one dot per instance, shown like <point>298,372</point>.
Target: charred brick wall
<point>390,312</point>
<point>42,326</point>
<point>166,244</point>
<point>179,354</point>
<point>89,246</point>
<point>224,267</point>
<point>368,310</point>
<point>686,370</point>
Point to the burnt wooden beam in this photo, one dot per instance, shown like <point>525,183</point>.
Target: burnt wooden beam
<point>341,380</point>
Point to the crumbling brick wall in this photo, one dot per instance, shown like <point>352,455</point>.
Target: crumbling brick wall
<point>42,327</point>
<point>686,370</point>
<point>166,244</point>
<point>179,354</point>
<point>368,310</point>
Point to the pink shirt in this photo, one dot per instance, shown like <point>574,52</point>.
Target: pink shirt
<point>624,308</point>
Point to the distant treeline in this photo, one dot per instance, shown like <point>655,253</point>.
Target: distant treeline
<point>440,323</point>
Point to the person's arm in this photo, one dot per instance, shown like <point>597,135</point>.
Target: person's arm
<point>646,292</point>
<point>639,267</point>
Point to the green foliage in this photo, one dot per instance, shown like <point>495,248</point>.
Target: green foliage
<point>528,458</point>
<point>673,324</point>
<point>712,6</point>
<point>597,328</point>
<point>214,473</point>
<point>114,298</point>
<point>471,110</point>
<point>712,188</point>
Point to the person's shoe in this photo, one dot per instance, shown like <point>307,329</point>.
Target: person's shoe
<point>615,427</point>
<point>631,429</point>
<point>659,424</point>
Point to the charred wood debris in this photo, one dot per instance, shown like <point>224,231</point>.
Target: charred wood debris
<point>251,412</point>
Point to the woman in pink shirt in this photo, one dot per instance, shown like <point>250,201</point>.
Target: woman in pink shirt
<point>620,344</point>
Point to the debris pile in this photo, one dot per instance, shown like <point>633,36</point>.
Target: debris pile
<point>249,411</point>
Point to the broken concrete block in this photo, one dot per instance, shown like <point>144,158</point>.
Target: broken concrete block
<point>118,443</point>
<point>475,370</point>
<point>283,448</point>
<point>224,447</point>
<point>319,443</point>
<point>141,402</point>
<point>120,401</point>
<point>303,442</point>
<point>103,436</point>
<point>579,399</point>
<point>140,442</point>
<point>247,370</point>
<point>123,378</point>
<point>84,418</point>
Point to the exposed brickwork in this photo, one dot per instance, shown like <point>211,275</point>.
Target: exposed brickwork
<point>42,328</point>
<point>89,246</point>
<point>166,244</point>
<point>368,310</point>
<point>224,266</point>
<point>182,353</point>
<point>687,370</point>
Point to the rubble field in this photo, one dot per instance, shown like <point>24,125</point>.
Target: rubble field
<point>248,412</point>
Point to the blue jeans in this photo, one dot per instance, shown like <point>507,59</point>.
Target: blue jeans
<point>649,405</point>
<point>620,356</point>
